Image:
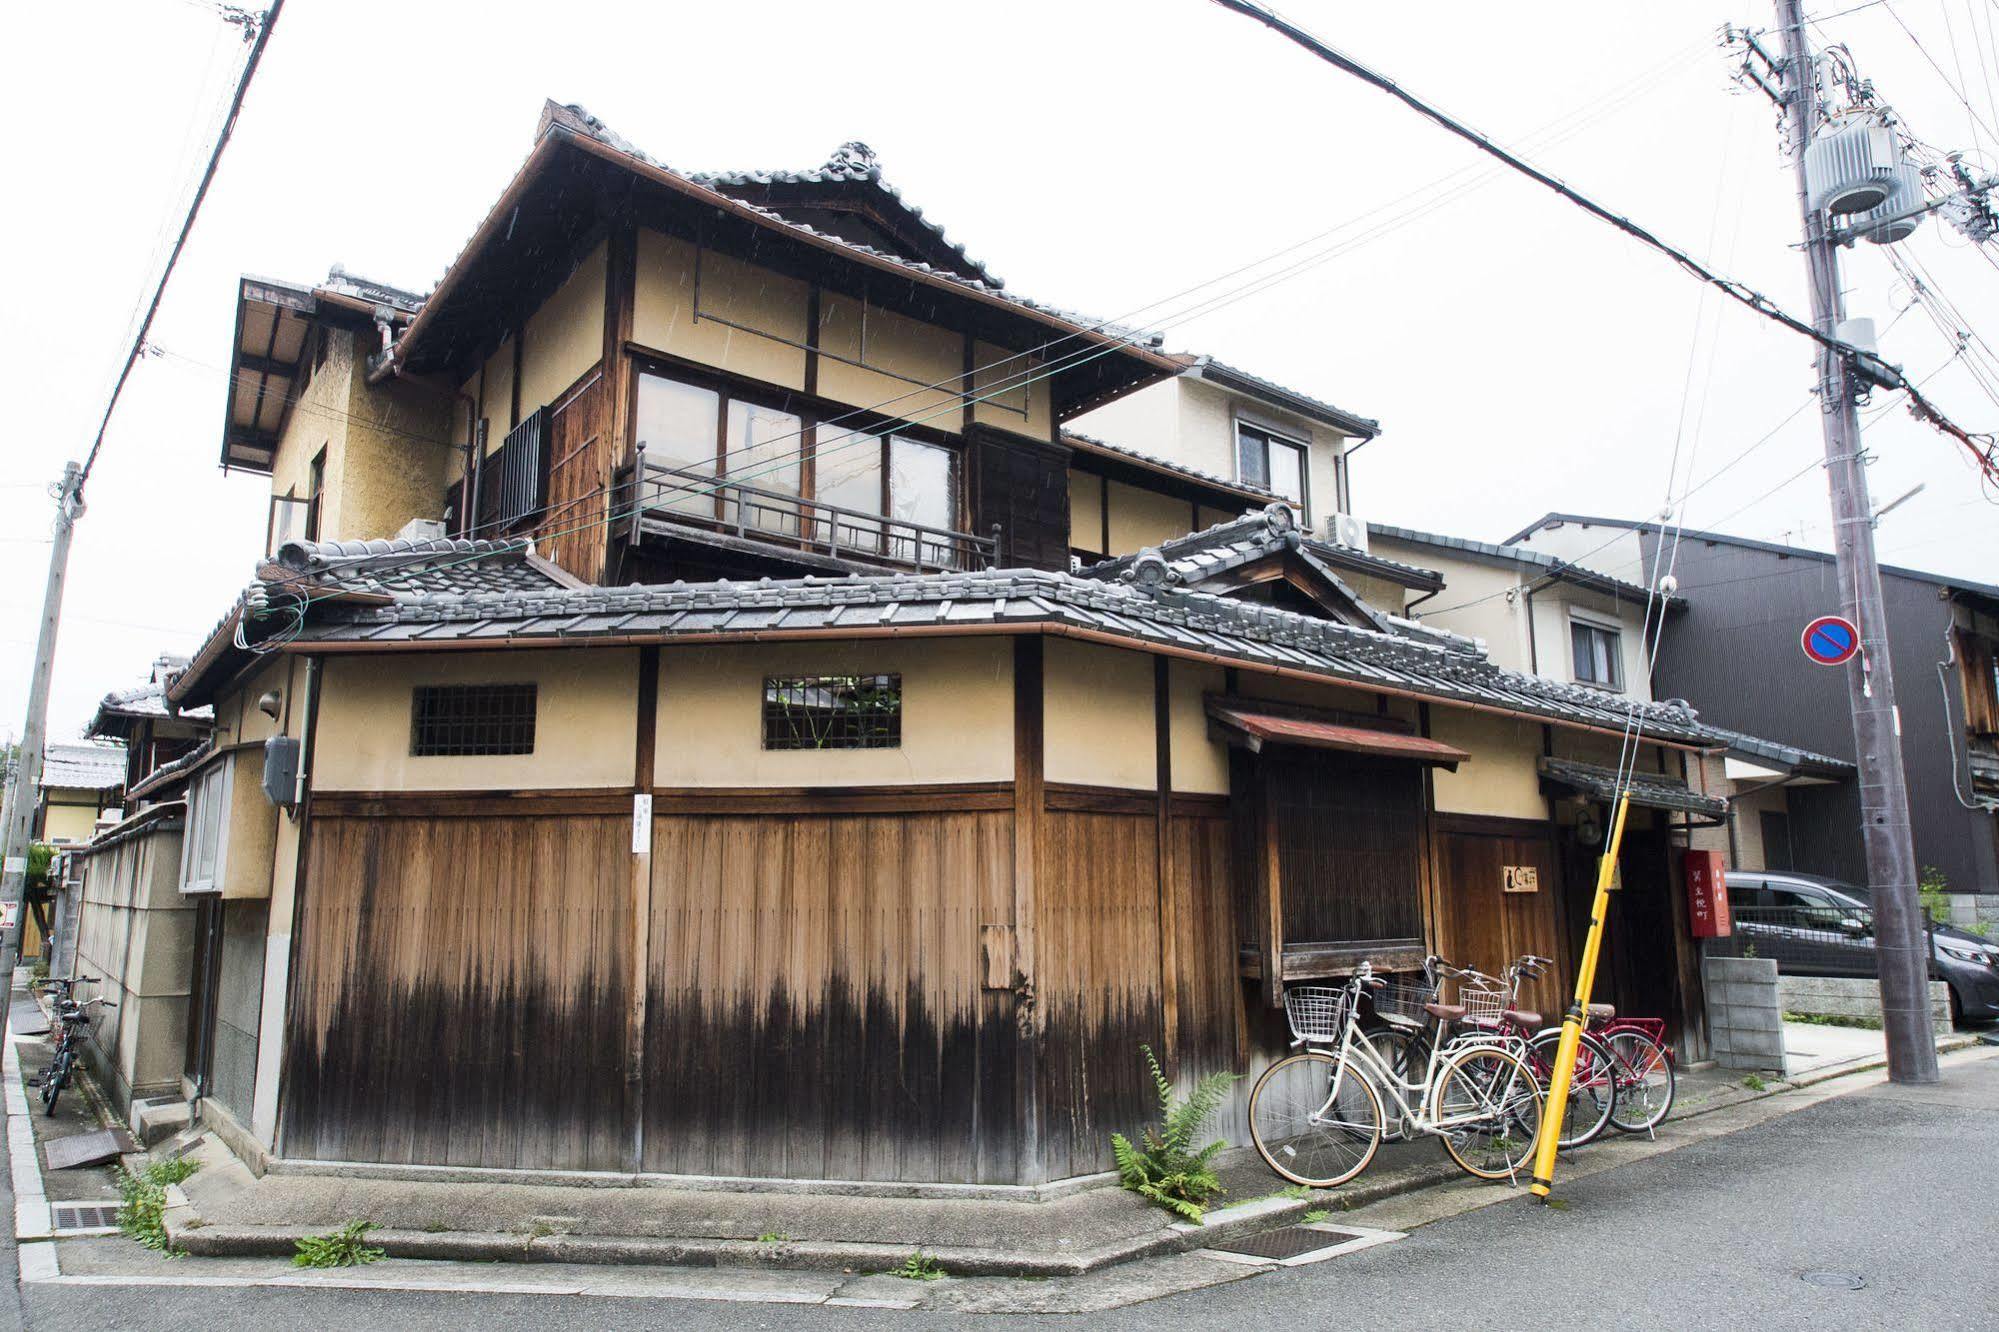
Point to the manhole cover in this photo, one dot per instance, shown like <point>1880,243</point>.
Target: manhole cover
<point>83,1216</point>
<point>1834,1280</point>
<point>1290,1242</point>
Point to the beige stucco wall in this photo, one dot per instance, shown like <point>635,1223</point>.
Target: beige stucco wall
<point>1200,762</point>
<point>917,354</point>
<point>69,822</point>
<point>135,932</point>
<point>664,314</point>
<point>251,829</point>
<point>1376,592</point>
<point>957,713</point>
<point>391,467</point>
<point>585,722</point>
<point>496,393</point>
<point>1098,714</point>
<point>1608,550</point>
<point>318,420</point>
<point>1473,602</point>
<point>1086,511</point>
<point>565,337</point>
<point>1141,518</point>
<point>1747,811</point>
<point>1012,390</point>
<point>1312,693</point>
<point>1557,605</point>
<point>1503,778</point>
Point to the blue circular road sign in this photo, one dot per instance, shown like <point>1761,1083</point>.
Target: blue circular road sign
<point>1831,640</point>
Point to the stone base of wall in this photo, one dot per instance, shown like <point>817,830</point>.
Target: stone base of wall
<point>1851,997</point>
<point>1744,1018</point>
<point>1968,909</point>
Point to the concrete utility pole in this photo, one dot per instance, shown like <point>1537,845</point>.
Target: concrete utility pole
<point>1900,944</point>
<point>28,771</point>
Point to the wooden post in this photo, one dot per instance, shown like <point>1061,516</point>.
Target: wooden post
<point>1169,933</point>
<point>1029,811</point>
<point>1270,878</point>
<point>620,286</point>
<point>642,783</point>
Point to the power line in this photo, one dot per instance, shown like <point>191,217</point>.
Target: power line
<point>1736,290</point>
<point>259,32</point>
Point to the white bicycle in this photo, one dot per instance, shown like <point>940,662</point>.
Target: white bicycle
<point>1317,1117</point>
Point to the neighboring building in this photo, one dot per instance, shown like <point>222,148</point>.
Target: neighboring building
<point>81,780</point>
<point>1735,653</point>
<point>796,749</point>
<point>121,917</point>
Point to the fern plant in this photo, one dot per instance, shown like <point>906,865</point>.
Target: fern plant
<point>1164,1165</point>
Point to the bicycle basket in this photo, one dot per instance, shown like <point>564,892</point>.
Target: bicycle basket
<point>1400,1000</point>
<point>1316,1012</point>
<point>1483,1004</point>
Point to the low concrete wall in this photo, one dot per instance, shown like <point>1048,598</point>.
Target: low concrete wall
<point>1851,997</point>
<point>1972,909</point>
<point>1745,1021</point>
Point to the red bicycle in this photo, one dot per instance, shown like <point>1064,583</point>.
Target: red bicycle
<point>1642,1064</point>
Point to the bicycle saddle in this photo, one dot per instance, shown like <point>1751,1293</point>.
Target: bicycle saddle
<point>1601,1012</point>
<point>1448,1012</point>
<point>1522,1017</point>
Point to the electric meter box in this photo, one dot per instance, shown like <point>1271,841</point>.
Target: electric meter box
<point>281,770</point>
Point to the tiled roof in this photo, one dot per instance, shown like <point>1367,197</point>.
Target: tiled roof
<point>142,702</point>
<point>83,765</point>
<point>1002,598</point>
<point>853,162</point>
<point>1788,756</point>
<point>168,774</point>
<point>1229,376</point>
<point>1650,789</point>
<point>1523,555</point>
<point>405,568</point>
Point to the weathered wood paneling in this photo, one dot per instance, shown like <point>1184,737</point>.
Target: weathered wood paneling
<point>818,1006</point>
<point>571,531</point>
<point>1097,983</point>
<point>1475,923</point>
<point>460,993</point>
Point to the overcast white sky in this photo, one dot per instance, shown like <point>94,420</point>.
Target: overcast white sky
<point>1098,154</point>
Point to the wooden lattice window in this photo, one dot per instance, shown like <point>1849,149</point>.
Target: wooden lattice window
<point>472,719</point>
<point>833,712</point>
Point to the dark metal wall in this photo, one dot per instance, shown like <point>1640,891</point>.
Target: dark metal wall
<point>1734,655</point>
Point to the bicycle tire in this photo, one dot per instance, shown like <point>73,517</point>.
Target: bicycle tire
<point>1641,1062</point>
<point>1592,1087</point>
<point>54,1080</point>
<point>1281,1110</point>
<point>1501,1092</point>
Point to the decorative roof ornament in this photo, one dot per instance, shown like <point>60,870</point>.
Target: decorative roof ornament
<point>1149,571</point>
<point>854,159</point>
<point>1279,516</point>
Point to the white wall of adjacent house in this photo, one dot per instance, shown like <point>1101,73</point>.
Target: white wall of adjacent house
<point>1480,600</point>
<point>1612,551</point>
<point>1194,423</point>
<point>1563,611</point>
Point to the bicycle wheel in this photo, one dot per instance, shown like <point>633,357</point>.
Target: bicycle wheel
<point>1406,1054</point>
<point>1592,1084</point>
<point>1487,1108</point>
<point>54,1078</point>
<point>1645,1081</point>
<point>1301,1137</point>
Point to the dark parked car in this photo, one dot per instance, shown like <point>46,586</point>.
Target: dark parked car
<point>1816,926</point>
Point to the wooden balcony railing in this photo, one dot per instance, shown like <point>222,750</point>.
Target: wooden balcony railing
<point>746,512</point>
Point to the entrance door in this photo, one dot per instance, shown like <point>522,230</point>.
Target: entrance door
<point>1498,896</point>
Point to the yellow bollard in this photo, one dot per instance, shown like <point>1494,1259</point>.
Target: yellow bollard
<point>1572,1021</point>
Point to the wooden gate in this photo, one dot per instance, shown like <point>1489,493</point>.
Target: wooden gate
<point>1498,895</point>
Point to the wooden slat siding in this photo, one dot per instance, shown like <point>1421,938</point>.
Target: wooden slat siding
<point>461,993</point>
<point>570,532</point>
<point>817,1006</point>
<point>1169,968</point>
<point>644,743</point>
<point>1349,838</point>
<point>1214,1019</point>
<point>1098,986</point>
<point>1021,484</point>
<point>1476,924</point>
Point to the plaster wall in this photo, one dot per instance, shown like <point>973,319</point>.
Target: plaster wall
<point>957,713</point>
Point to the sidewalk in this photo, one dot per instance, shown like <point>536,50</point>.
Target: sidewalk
<point>551,1232</point>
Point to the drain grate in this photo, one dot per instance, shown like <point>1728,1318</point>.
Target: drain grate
<point>83,1216</point>
<point>1290,1242</point>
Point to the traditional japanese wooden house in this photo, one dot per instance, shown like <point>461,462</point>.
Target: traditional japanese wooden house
<point>780,749</point>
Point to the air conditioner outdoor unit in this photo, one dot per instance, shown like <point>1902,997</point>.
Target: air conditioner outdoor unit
<point>1343,529</point>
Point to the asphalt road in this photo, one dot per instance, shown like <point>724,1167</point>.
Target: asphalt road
<point>1899,1187</point>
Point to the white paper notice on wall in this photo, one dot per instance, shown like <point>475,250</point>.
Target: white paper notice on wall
<point>17,865</point>
<point>642,823</point>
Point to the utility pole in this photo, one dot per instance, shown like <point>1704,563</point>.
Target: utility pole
<point>28,770</point>
<point>1901,948</point>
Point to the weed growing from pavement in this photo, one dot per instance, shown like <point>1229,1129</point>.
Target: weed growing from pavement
<point>1755,1082</point>
<point>1164,1166</point>
<point>345,1247</point>
<point>143,1213</point>
<point>773,1237</point>
<point>1316,1215</point>
<point>919,1266</point>
<point>1834,1020</point>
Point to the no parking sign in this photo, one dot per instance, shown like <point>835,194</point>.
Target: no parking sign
<point>1831,640</point>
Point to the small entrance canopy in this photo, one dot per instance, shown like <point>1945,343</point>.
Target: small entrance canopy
<point>1649,789</point>
<point>1253,730</point>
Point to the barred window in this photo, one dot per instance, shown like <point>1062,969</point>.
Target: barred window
<point>833,712</point>
<point>472,719</point>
